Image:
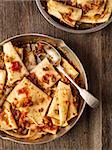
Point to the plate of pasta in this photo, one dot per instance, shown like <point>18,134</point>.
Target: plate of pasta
<point>77,16</point>
<point>38,103</point>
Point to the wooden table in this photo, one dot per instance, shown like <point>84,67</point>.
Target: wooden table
<point>94,129</point>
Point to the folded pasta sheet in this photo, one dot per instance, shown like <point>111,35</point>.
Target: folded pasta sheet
<point>7,121</point>
<point>100,15</point>
<point>29,58</point>
<point>64,93</point>
<point>45,73</point>
<point>31,135</point>
<point>84,11</point>
<point>65,13</point>
<point>14,65</point>
<point>2,80</point>
<point>62,108</point>
<point>19,51</point>
<point>30,99</point>
<point>71,71</point>
<point>72,2</point>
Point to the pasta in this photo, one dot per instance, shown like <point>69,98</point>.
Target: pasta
<point>39,99</point>
<point>80,11</point>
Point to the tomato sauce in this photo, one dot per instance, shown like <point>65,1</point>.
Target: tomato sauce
<point>24,90</point>
<point>15,66</point>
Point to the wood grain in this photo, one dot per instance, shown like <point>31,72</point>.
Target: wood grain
<point>94,129</point>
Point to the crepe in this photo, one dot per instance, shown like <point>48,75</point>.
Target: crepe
<point>30,99</point>
<point>14,65</point>
<point>2,80</point>
<point>65,13</point>
<point>45,73</point>
<point>7,121</point>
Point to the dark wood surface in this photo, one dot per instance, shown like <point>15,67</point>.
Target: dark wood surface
<point>94,129</point>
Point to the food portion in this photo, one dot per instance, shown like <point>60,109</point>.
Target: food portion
<point>72,72</point>
<point>65,13</point>
<point>15,68</point>
<point>63,107</point>
<point>28,98</point>
<point>45,74</point>
<point>29,58</point>
<point>75,12</point>
<point>7,121</point>
<point>2,80</point>
<point>40,100</point>
<point>19,51</point>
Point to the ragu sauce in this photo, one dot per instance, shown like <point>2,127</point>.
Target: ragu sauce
<point>25,91</point>
<point>15,66</point>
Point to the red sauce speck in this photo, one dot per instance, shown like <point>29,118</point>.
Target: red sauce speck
<point>53,78</point>
<point>15,66</point>
<point>45,68</point>
<point>68,17</point>
<point>16,114</point>
<point>32,75</point>
<point>86,8</point>
<point>24,90</point>
<point>40,46</point>
<point>45,78</point>
<point>7,122</point>
<point>48,124</point>
<point>41,110</point>
<point>28,102</point>
<point>22,116</point>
